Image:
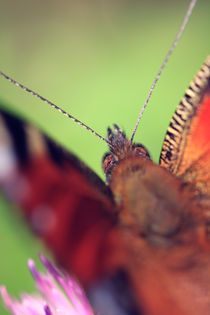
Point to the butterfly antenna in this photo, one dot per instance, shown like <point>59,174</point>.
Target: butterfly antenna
<point>54,106</point>
<point>179,34</point>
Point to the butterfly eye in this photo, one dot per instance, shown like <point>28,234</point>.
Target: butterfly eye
<point>107,160</point>
<point>141,150</point>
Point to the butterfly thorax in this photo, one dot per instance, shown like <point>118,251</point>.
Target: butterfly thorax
<point>151,201</point>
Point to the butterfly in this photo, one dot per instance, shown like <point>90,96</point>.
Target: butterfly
<point>146,231</point>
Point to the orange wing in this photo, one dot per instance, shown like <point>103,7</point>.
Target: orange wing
<point>186,148</point>
<point>66,204</point>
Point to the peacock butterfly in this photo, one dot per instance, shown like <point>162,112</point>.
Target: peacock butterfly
<point>153,222</point>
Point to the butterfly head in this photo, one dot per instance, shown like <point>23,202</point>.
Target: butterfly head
<point>121,148</point>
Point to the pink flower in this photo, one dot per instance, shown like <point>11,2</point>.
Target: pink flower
<point>58,294</point>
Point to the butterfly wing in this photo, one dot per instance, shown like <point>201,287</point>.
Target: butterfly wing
<point>65,203</point>
<point>186,148</point>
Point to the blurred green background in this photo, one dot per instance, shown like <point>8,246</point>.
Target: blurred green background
<point>96,59</point>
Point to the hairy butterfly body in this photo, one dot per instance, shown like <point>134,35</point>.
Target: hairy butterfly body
<point>149,226</point>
